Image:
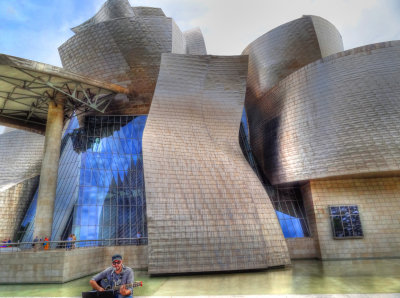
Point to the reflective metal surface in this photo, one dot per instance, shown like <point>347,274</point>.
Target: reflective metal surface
<point>283,50</point>
<point>287,201</point>
<point>21,157</point>
<point>338,116</point>
<point>272,57</point>
<point>195,42</point>
<point>123,44</point>
<point>206,208</point>
<point>13,204</point>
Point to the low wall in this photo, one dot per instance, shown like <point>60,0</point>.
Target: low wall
<point>302,248</point>
<point>59,266</point>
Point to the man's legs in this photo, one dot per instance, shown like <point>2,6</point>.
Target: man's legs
<point>120,296</point>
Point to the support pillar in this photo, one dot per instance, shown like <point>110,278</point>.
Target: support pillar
<point>49,171</point>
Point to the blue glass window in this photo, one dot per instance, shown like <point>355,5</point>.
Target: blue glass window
<point>288,202</point>
<point>100,187</point>
<point>111,181</point>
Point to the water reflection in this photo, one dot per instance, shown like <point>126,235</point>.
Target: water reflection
<point>303,277</point>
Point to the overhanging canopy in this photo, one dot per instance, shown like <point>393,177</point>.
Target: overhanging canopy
<point>26,87</point>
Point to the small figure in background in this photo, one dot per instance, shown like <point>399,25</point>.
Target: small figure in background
<point>138,236</point>
<point>35,243</point>
<point>69,242</point>
<point>73,241</point>
<point>46,243</point>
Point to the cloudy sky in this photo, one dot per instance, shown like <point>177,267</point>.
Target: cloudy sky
<point>33,29</point>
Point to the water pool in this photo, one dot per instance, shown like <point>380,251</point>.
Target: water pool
<point>303,277</point>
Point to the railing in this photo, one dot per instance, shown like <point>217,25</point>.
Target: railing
<point>69,244</point>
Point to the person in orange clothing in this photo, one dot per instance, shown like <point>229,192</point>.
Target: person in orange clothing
<point>46,243</point>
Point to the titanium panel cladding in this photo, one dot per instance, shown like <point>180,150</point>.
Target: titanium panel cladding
<point>283,50</point>
<point>111,9</point>
<point>123,45</point>
<point>21,157</point>
<point>206,208</point>
<point>272,57</point>
<point>338,116</point>
<point>195,42</point>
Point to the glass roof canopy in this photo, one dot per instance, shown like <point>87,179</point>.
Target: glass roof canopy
<point>26,87</point>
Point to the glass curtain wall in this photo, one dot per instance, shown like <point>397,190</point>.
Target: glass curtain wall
<point>100,189</point>
<point>111,201</point>
<point>288,202</point>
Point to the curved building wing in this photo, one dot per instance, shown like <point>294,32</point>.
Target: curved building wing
<point>21,157</point>
<point>206,208</point>
<point>335,117</point>
<point>272,57</point>
<point>195,44</point>
<point>111,9</point>
<point>144,11</point>
<point>283,50</point>
<point>126,51</point>
<point>123,44</point>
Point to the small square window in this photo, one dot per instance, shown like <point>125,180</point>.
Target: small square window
<point>345,221</point>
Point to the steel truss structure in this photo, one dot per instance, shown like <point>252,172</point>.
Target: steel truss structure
<point>26,87</point>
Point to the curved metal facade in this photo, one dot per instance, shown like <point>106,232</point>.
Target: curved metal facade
<point>272,57</point>
<point>123,45</point>
<point>335,117</point>
<point>195,42</point>
<point>111,9</point>
<point>283,50</point>
<point>21,157</point>
<point>13,204</point>
<point>206,208</point>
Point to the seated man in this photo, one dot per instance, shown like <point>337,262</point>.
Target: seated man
<point>118,277</point>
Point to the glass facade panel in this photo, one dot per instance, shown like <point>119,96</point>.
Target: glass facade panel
<point>345,222</point>
<point>100,181</point>
<point>288,202</point>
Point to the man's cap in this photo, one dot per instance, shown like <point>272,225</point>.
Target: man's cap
<point>116,257</point>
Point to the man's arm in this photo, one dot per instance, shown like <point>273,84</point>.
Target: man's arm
<point>95,285</point>
<point>99,276</point>
<point>125,291</point>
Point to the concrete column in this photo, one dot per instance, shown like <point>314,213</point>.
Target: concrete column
<point>49,171</point>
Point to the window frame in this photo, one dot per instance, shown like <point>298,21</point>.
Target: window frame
<point>353,229</point>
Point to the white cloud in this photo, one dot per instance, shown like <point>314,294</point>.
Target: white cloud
<point>229,26</point>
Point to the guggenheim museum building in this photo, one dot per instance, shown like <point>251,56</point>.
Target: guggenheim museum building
<point>219,163</point>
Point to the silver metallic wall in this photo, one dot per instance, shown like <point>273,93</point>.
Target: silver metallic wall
<point>111,9</point>
<point>21,155</point>
<point>272,57</point>
<point>337,116</point>
<point>283,50</point>
<point>14,202</point>
<point>206,208</point>
<point>195,42</point>
<point>123,45</point>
